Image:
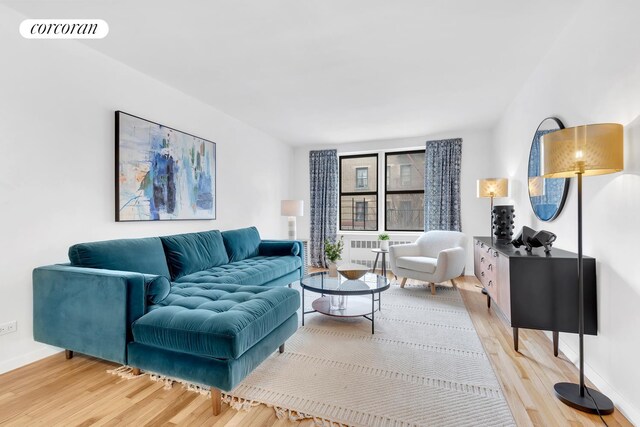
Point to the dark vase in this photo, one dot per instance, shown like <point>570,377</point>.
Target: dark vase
<point>503,222</point>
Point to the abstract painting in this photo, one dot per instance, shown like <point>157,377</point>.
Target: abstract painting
<point>162,173</point>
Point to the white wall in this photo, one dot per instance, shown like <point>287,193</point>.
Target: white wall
<point>476,163</point>
<point>592,75</point>
<point>57,99</point>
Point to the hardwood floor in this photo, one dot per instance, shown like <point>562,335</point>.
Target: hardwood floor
<point>78,392</point>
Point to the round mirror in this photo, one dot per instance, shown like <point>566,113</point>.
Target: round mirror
<point>547,195</point>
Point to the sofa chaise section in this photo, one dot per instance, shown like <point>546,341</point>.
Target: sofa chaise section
<point>215,337</point>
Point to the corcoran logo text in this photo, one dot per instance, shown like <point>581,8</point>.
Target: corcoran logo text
<point>64,29</point>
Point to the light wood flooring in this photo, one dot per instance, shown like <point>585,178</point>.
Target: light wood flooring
<point>78,392</point>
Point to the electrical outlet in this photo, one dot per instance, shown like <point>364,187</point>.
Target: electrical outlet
<point>9,327</point>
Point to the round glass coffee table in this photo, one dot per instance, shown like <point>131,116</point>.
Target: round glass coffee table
<point>341,297</point>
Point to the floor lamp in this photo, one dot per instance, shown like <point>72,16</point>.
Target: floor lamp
<point>492,187</point>
<point>583,150</point>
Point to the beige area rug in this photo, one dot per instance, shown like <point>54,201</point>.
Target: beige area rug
<point>425,366</point>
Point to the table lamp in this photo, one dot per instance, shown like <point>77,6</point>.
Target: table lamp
<point>492,187</point>
<point>292,209</point>
<point>583,150</point>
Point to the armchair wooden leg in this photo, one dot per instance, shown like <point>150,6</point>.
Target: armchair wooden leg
<point>68,354</point>
<point>433,288</point>
<point>281,349</point>
<point>404,280</point>
<point>136,371</point>
<point>216,401</point>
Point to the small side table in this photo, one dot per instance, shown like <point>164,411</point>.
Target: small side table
<point>379,252</point>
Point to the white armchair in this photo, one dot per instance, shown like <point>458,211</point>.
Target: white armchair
<point>437,256</point>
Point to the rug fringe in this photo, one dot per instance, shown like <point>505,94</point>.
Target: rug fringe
<point>294,416</point>
<point>123,371</point>
<point>235,402</point>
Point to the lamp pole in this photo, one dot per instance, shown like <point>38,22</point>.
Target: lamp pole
<point>574,394</point>
<point>580,286</point>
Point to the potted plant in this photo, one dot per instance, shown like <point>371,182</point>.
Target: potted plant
<point>333,252</point>
<point>384,241</point>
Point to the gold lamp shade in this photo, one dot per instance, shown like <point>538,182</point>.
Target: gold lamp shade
<point>589,149</point>
<point>536,186</point>
<point>493,187</point>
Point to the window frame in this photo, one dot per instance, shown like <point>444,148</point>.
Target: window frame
<point>389,192</point>
<point>359,193</point>
<point>366,169</point>
<point>404,167</point>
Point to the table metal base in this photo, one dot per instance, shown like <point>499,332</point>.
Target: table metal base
<point>357,306</point>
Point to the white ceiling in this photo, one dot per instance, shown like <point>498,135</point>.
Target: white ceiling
<point>332,71</point>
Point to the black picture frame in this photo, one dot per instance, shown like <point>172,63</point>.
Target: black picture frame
<point>139,190</point>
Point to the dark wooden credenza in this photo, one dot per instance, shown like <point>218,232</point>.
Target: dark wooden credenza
<point>535,290</point>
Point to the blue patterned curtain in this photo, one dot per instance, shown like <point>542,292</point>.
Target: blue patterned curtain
<point>323,174</point>
<point>443,160</point>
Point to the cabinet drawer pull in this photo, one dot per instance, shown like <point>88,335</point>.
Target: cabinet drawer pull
<point>482,245</point>
<point>482,273</point>
<point>490,267</point>
<point>477,242</point>
<point>495,254</point>
<point>481,259</point>
<point>490,283</point>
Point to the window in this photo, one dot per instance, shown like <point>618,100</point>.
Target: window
<point>361,211</point>
<point>359,192</point>
<point>404,191</point>
<point>405,175</point>
<point>362,178</point>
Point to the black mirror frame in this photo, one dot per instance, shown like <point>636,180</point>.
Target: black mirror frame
<point>567,181</point>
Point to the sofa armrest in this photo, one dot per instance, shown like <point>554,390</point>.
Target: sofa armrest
<point>279,247</point>
<point>450,264</point>
<point>283,248</point>
<point>87,310</point>
<point>396,251</point>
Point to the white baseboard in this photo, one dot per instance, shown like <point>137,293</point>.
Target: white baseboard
<point>625,407</point>
<point>25,359</point>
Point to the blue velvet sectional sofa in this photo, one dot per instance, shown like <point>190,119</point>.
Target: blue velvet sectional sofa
<point>205,307</point>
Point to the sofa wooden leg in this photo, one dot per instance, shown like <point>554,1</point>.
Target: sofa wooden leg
<point>433,288</point>
<point>281,349</point>
<point>216,401</point>
<point>136,371</point>
<point>68,354</point>
<point>404,280</point>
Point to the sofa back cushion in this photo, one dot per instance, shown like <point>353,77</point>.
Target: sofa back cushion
<point>138,255</point>
<point>193,252</point>
<point>242,243</point>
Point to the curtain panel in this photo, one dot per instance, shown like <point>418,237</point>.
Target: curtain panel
<point>323,178</point>
<point>443,160</point>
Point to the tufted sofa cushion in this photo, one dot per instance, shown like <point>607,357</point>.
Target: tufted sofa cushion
<point>251,271</point>
<point>221,321</point>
